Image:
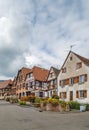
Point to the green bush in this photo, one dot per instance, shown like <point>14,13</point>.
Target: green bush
<point>8,99</point>
<point>55,96</point>
<point>31,98</point>
<point>14,100</point>
<point>22,102</point>
<point>74,105</point>
<point>37,100</point>
<point>87,107</point>
<point>44,103</point>
<point>63,103</point>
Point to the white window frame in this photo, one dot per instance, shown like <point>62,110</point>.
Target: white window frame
<point>62,83</point>
<point>81,93</point>
<point>71,81</point>
<point>81,79</point>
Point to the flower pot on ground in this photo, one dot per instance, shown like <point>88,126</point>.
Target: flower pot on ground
<point>62,106</point>
<point>67,107</point>
<point>55,104</point>
<point>49,107</point>
<point>43,105</point>
<point>55,108</point>
<point>37,102</point>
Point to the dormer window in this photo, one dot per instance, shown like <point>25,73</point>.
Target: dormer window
<point>64,70</point>
<point>79,65</point>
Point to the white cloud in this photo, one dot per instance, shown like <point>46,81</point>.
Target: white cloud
<point>41,32</point>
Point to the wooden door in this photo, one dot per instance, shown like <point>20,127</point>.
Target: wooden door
<point>71,95</point>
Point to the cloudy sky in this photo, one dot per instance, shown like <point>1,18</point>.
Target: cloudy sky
<point>40,32</point>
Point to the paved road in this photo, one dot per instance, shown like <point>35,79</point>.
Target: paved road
<point>13,117</point>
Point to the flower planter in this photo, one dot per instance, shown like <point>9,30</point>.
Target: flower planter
<point>55,108</point>
<point>49,107</point>
<point>43,107</point>
<point>67,109</point>
<point>61,108</point>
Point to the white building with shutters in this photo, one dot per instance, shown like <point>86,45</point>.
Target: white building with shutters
<point>73,79</point>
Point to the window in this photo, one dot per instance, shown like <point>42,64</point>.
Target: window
<point>51,75</point>
<point>30,75</point>
<point>63,95</point>
<point>37,83</point>
<point>63,83</point>
<point>64,70</point>
<point>79,65</point>
<point>81,78</point>
<point>71,81</point>
<point>32,83</point>
<point>70,58</point>
<point>42,84</point>
<point>55,81</point>
<point>81,94</point>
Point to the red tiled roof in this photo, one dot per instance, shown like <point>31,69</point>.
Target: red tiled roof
<point>24,71</point>
<point>39,73</point>
<point>5,83</point>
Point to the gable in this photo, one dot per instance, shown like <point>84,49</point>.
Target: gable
<point>51,74</point>
<point>70,65</point>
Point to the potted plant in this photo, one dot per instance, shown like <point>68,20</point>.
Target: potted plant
<point>49,104</point>
<point>55,104</point>
<point>62,105</point>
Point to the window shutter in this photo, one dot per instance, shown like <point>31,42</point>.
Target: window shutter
<point>85,93</point>
<point>77,94</point>
<point>60,82</point>
<point>64,94</point>
<point>76,79</point>
<point>66,81</point>
<point>85,77</point>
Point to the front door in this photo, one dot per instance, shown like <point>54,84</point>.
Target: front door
<point>71,95</point>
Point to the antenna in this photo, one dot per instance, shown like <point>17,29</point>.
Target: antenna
<point>71,46</point>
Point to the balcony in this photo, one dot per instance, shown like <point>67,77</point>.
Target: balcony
<point>52,87</point>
